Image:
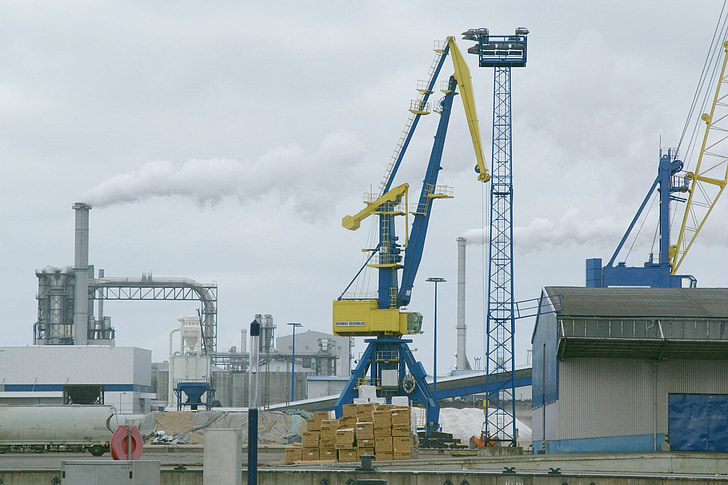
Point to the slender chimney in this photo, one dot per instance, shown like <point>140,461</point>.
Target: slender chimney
<point>462,359</point>
<point>80,272</point>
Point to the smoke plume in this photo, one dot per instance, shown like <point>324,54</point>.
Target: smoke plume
<point>287,172</point>
<point>542,233</point>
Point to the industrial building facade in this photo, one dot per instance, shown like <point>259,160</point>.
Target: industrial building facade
<point>69,374</point>
<point>630,369</point>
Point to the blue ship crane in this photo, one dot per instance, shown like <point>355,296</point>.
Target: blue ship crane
<point>388,363</point>
<point>699,189</point>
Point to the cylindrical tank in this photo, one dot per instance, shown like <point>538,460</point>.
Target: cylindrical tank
<point>56,424</point>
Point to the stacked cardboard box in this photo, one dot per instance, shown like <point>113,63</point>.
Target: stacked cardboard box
<point>310,443</point>
<point>310,454</point>
<point>364,429</point>
<point>383,433</point>
<point>400,422</point>
<point>294,453</point>
<point>345,447</point>
<point>365,412</point>
<point>327,444</point>
<point>364,435</point>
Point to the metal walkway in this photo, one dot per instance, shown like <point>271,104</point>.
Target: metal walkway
<point>447,387</point>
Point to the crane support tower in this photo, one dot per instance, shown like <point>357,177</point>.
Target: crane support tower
<point>501,52</point>
<point>699,189</point>
<point>388,362</point>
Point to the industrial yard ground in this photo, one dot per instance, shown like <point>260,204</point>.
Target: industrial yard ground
<point>183,465</point>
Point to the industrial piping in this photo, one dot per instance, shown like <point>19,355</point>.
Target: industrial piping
<point>208,302</point>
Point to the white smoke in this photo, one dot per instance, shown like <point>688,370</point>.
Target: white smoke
<point>542,234</point>
<point>287,172</point>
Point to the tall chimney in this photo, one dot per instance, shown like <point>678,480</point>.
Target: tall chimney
<point>461,357</point>
<point>80,272</point>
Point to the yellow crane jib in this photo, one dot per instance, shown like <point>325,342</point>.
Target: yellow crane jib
<point>464,80</point>
<point>393,195</point>
<point>710,177</point>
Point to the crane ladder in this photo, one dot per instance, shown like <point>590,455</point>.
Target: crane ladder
<point>418,108</point>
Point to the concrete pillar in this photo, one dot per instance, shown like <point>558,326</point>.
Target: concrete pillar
<point>223,461</point>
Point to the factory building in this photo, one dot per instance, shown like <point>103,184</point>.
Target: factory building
<point>65,374</point>
<point>318,356</point>
<point>326,354</point>
<point>72,334</point>
<point>630,369</point>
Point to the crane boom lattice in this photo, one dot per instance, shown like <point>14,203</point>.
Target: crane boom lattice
<point>709,178</point>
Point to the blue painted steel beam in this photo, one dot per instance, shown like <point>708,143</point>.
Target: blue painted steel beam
<point>413,253</point>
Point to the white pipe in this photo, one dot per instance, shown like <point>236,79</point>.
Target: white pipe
<point>171,397</point>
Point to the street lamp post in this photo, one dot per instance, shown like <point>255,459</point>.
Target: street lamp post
<point>435,280</point>
<point>293,359</point>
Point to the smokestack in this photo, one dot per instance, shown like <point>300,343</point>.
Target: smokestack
<point>80,272</point>
<point>462,359</point>
<point>100,317</point>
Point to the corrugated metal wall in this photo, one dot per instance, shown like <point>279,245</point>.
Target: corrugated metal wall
<point>545,368</point>
<point>696,376</point>
<point>604,397</point>
<point>622,397</point>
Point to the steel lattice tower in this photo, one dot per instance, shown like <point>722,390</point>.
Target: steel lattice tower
<point>500,408</point>
<point>501,53</point>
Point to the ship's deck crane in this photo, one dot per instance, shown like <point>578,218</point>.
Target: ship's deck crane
<point>388,362</point>
<point>699,189</point>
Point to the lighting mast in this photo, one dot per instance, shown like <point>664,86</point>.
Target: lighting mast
<point>500,52</point>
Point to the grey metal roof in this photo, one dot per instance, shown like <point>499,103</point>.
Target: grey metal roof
<point>653,323</point>
<point>697,303</point>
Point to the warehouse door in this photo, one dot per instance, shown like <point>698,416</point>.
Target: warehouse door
<point>697,422</point>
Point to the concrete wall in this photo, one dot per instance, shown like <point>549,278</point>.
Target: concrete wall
<point>409,477</point>
<point>231,388</point>
<point>321,386</point>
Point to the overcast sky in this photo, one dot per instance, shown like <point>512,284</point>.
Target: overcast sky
<point>223,142</point>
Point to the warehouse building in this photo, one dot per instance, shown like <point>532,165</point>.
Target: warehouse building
<point>630,369</point>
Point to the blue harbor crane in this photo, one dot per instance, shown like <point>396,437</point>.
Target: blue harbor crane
<point>387,362</point>
<point>698,189</point>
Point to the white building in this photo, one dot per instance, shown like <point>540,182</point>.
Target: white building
<point>57,374</point>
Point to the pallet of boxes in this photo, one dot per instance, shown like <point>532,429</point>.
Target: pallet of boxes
<point>381,430</point>
<point>317,442</point>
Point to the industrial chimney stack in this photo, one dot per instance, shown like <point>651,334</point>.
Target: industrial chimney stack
<point>81,275</point>
<point>462,358</point>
